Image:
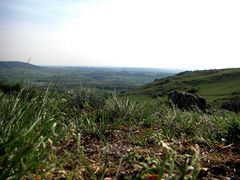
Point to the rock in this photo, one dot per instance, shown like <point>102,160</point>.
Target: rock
<point>187,101</point>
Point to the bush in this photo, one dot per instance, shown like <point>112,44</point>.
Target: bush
<point>193,90</point>
<point>125,110</point>
<point>10,89</point>
<point>87,100</point>
<point>233,131</point>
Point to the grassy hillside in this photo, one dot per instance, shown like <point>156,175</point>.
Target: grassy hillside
<point>212,84</point>
<point>94,135</point>
<point>68,78</point>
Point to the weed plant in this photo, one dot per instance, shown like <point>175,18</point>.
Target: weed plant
<point>48,131</point>
<point>27,126</point>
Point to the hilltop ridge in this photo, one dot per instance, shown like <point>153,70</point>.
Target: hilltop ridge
<point>213,84</point>
<point>16,64</point>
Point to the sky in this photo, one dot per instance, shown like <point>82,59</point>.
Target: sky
<point>180,34</point>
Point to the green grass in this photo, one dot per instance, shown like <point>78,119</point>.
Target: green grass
<point>93,135</point>
<point>216,86</point>
<point>47,133</point>
<point>29,128</point>
<point>220,82</point>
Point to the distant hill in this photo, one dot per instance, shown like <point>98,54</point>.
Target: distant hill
<point>212,84</point>
<point>68,78</point>
<point>16,64</point>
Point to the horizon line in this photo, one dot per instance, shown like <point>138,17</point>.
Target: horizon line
<point>118,67</point>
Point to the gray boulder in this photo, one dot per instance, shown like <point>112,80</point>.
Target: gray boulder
<point>187,101</point>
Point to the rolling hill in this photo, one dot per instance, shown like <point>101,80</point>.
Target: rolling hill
<point>16,64</point>
<point>69,78</point>
<point>211,84</point>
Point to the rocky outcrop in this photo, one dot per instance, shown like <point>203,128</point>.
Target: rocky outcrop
<point>187,101</point>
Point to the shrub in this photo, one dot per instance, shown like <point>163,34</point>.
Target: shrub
<point>87,100</point>
<point>233,131</point>
<point>125,110</point>
<point>10,89</point>
<point>193,90</point>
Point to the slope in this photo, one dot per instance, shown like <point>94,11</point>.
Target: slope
<point>212,84</point>
<point>16,64</point>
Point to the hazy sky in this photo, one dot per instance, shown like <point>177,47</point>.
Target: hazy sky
<point>185,34</point>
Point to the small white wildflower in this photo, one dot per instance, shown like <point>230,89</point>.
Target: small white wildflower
<point>53,129</point>
<point>164,145</point>
<point>190,168</point>
<point>49,141</point>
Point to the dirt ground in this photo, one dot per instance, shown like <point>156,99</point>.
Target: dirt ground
<point>125,152</point>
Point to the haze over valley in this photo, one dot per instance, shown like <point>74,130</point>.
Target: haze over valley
<point>121,33</point>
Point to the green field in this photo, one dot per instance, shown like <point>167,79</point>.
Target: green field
<point>69,78</point>
<point>211,84</point>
